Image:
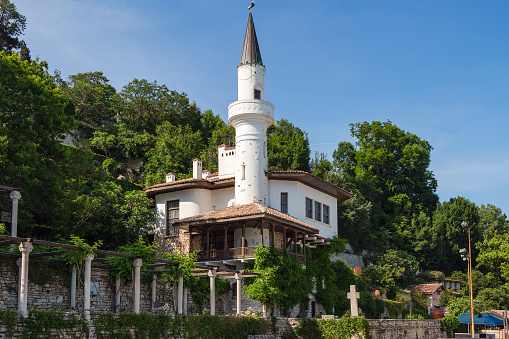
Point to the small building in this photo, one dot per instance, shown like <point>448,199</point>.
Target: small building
<point>430,291</point>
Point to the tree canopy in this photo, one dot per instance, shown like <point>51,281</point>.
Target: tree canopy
<point>12,25</point>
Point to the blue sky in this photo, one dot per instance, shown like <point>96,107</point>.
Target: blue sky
<point>439,69</point>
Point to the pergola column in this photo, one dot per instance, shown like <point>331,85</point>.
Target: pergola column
<point>212,274</point>
<point>86,288</point>
<point>243,239</point>
<point>118,286</point>
<point>261,232</point>
<point>186,291</point>
<point>25,248</point>
<point>20,272</point>
<point>180,294</point>
<point>238,278</point>
<point>73,287</point>
<point>154,286</point>
<point>15,196</point>
<point>137,285</point>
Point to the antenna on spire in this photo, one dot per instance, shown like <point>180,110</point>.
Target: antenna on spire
<point>251,6</point>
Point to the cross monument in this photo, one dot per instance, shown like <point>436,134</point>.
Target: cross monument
<point>353,296</point>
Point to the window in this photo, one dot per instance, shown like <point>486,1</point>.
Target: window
<point>257,94</point>
<point>309,208</point>
<point>326,214</point>
<point>172,215</point>
<point>318,211</point>
<point>284,202</point>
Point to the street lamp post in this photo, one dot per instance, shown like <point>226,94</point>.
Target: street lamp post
<point>468,257</point>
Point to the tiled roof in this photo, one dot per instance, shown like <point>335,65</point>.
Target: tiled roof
<point>425,288</point>
<point>249,211</point>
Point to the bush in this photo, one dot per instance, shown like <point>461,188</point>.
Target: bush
<point>450,323</point>
<point>343,328</point>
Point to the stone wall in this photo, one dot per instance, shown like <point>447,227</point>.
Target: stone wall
<point>404,328</point>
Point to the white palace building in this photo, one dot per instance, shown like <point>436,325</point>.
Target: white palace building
<point>226,215</point>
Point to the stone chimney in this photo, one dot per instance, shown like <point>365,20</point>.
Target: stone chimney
<point>197,169</point>
<point>170,177</point>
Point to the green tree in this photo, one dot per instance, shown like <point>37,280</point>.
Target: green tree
<point>389,168</point>
<point>494,298</point>
<point>33,116</point>
<point>282,281</point>
<point>321,166</point>
<point>287,147</point>
<point>393,270</point>
<point>176,147</point>
<point>215,132</point>
<point>461,305</point>
<point>446,297</point>
<point>144,105</point>
<point>492,220</point>
<point>92,97</point>
<point>494,256</point>
<point>447,235</point>
<point>12,25</point>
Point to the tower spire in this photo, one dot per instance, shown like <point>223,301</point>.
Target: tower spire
<point>250,51</point>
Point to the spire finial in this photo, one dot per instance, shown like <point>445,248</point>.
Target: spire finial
<point>251,6</point>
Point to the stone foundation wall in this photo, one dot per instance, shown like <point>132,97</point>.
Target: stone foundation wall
<point>403,328</point>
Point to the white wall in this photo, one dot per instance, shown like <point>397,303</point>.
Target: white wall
<point>297,194</point>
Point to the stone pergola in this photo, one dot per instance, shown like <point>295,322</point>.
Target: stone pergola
<point>15,195</point>
<point>26,246</point>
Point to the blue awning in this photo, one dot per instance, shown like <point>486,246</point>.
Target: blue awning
<point>481,319</point>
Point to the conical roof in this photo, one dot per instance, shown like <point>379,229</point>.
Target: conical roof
<point>250,51</point>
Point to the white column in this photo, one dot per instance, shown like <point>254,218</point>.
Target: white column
<point>238,277</point>
<point>212,274</point>
<point>186,291</point>
<point>25,248</point>
<point>180,295</point>
<point>20,272</point>
<point>15,196</point>
<point>154,286</point>
<point>86,288</point>
<point>137,286</point>
<point>73,287</point>
<point>118,285</point>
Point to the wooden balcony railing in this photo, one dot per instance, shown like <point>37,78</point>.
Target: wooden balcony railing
<point>239,253</point>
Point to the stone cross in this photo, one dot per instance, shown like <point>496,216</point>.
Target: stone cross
<point>353,296</point>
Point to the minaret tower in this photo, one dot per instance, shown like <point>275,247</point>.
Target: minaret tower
<point>251,115</point>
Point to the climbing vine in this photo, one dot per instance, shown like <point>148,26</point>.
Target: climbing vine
<point>123,266</point>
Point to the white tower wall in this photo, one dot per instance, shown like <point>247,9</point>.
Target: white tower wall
<point>251,118</point>
<point>251,78</point>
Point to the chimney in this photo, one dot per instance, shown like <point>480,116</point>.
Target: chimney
<point>197,169</point>
<point>170,177</point>
<point>205,174</point>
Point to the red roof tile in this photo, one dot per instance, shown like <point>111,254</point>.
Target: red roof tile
<point>241,212</point>
<point>425,288</point>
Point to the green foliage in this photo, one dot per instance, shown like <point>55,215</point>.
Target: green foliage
<point>12,25</point>
<point>416,314</point>
<point>282,280</point>
<point>3,230</point>
<point>175,148</point>
<point>392,270</point>
<point>395,307</point>
<point>91,96</point>
<point>419,300</point>
<point>494,255</point>
<point>492,221</point>
<point>287,147</point>
<point>320,269</point>
<point>450,323</point>
<point>75,257</point>
<point>461,305</point>
<point>183,269</point>
<point>446,297</point>
<point>123,266</point>
<point>150,326</point>
<point>389,168</point>
<point>494,298</point>
<point>51,324</point>
<point>9,319</point>
<point>330,329</point>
